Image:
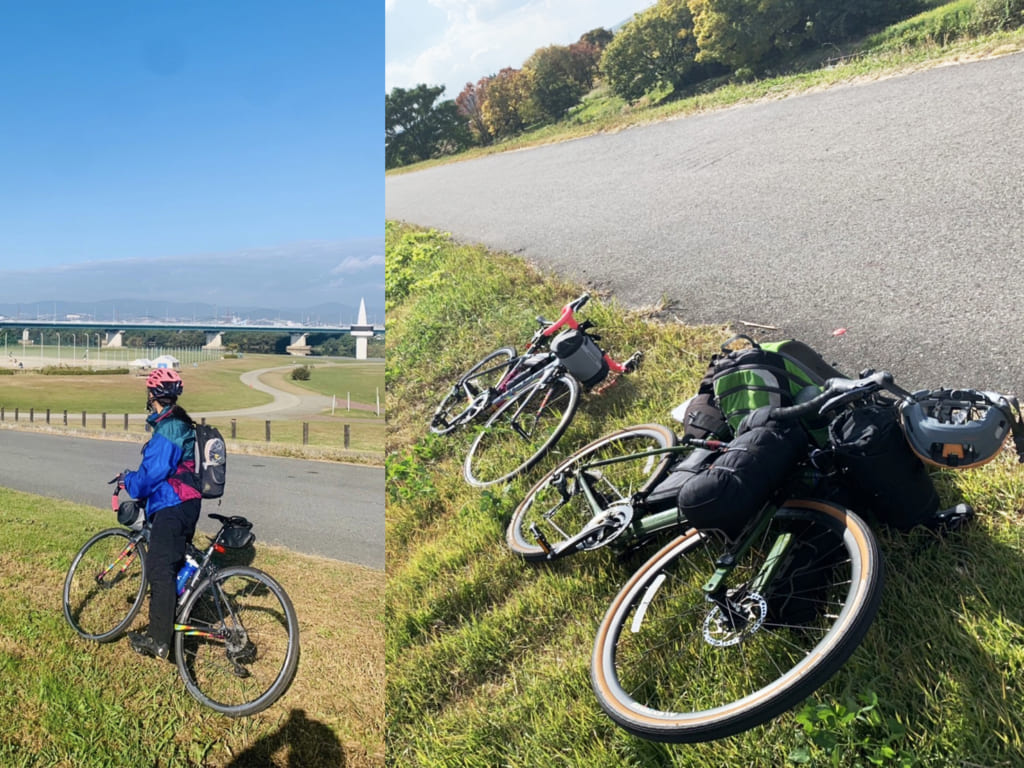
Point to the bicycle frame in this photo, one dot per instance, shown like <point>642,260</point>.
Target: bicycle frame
<point>643,527</point>
<point>640,528</point>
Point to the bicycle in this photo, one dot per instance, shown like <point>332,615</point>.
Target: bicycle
<point>526,402</point>
<point>713,635</point>
<point>236,634</point>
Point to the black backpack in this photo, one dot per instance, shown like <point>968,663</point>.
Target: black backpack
<point>211,461</point>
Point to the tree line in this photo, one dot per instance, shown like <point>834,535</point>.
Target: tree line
<point>254,342</point>
<point>670,47</point>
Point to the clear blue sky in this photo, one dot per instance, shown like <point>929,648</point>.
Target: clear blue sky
<point>153,130</point>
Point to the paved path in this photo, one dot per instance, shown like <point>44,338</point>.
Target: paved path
<point>322,508</point>
<point>893,209</point>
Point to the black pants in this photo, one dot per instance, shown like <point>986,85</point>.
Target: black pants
<point>172,528</point>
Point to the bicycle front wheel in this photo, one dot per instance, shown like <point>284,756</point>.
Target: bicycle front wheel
<point>558,509</point>
<point>521,431</point>
<point>106,585</point>
<point>237,643</point>
<point>462,401</point>
<point>668,665</point>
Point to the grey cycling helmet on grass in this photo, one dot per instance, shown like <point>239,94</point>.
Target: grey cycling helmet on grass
<point>961,428</point>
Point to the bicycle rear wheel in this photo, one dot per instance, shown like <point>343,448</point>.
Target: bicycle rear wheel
<point>669,665</point>
<point>106,584</point>
<point>557,508</point>
<point>521,431</point>
<point>237,643</point>
<point>460,404</point>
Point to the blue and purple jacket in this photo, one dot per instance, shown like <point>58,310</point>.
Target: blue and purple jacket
<point>166,476</point>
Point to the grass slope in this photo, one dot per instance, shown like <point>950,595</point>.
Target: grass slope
<point>68,703</point>
<point>487,657</point>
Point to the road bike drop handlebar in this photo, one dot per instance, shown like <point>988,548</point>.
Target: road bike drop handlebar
<point>838,392</point>
<point>568,319</point>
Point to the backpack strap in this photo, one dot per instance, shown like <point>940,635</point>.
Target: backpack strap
<point>739,337</point>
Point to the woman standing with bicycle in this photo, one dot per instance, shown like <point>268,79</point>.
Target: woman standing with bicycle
<point>165,483</point>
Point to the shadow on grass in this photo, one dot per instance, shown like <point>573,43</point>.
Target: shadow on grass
<point>309,744</point>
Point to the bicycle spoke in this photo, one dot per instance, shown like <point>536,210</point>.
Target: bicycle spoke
<point>238,645</point>
<point>105,586</point>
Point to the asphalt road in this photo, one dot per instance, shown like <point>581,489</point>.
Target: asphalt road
<point>321,508</point>
<point>893,209</point>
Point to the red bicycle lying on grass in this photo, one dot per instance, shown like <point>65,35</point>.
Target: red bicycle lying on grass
<point>526,401</point>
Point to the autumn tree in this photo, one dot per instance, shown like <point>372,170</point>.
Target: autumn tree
<point>656,48</point>
<point>416,127</point>
<point>598,37</point>
<point>506,107</point>
<point>556,81</point>
<point>470,105</point>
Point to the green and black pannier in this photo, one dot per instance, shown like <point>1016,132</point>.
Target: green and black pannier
<point>778,373</point>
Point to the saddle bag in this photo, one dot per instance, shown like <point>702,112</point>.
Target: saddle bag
<point>878,469</point>
<point>581,356</point>
<point>729,492</point>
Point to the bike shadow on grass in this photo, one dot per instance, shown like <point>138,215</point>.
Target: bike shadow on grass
<point>949,630</point>
<point>309,744</point>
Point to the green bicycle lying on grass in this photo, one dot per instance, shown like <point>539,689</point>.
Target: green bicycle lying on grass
<point>236,641</point>
<point>722,630</point>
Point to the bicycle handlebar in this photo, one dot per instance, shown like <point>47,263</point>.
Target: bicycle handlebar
<point>566,318</point>
<point>839,392</point>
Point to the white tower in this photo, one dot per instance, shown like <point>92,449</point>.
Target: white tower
<point>362,331</point>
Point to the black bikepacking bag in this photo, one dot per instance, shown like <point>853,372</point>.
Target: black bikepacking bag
<point>878,468</point>
<point>728,493</point>
<point>665,494</point>
<point>581,356</point>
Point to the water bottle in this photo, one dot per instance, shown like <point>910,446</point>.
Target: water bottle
<point>190,567</point>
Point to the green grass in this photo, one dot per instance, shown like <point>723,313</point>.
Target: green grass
<point>68,703</point>
<point>487,657</point>
<point>941,35</point>
<point>359,380</point>
<point>212,386</point>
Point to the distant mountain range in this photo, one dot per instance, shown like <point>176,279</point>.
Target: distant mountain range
<point>308,282</point>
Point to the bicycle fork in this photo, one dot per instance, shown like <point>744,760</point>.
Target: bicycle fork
<point>126,558</point>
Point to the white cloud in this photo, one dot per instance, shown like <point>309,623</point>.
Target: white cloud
<point>358,264</point>
<point>481,37</point>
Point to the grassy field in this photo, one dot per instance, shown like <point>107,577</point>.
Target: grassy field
<point>359,380</point>
<point>935,37</point>
<point>69,703</point>
<point>487,657</point>
<point>213,385</point>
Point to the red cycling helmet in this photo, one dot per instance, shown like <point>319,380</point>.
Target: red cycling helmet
<point>164,382</point>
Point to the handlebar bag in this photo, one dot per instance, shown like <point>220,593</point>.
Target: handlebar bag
<point>728,493</point>
<point>581,356</point>
<point>878,468</point>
